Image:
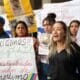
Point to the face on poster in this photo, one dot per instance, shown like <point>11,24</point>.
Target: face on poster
<point>16,7</point>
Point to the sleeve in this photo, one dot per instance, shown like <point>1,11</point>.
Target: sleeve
<point>77,58</point>
<point>76,49</point>
<point>78,63</point>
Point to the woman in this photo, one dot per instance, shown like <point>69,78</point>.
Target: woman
<point>44,41</point>
<point>21,29</point>
<point>73,28</point>
<point>63,59</point>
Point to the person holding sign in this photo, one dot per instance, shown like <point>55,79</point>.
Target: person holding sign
<point>3,34</point>
<point>21,29</point>
<point>44,42</point>
<point>63,58</point>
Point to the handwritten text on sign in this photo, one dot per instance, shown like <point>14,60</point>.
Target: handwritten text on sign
<point>17,59</point>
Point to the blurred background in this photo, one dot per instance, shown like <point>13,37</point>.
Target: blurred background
<point>36,4</point>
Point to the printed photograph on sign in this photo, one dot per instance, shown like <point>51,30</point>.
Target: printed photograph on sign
<point>30,20</point>
<point>16,7</point>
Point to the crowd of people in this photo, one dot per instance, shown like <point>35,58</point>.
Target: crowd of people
<point>62,62</point>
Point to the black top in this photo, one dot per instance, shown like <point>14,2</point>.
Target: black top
<point>4,35</point>
<point>63,66</point>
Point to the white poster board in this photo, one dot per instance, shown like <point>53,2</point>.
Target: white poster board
<point>17,59</point>
<point>66,11</point>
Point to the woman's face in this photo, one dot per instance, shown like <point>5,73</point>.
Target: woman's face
<point>58,33</point>
<point>74,28</point>
<point>21,30</point>
<point>47,27</point>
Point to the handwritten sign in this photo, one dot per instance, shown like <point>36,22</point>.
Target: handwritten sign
<point>17,7</point>
<point>17,59</point>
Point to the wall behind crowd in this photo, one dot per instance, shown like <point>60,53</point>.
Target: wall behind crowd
<point>66,12</point>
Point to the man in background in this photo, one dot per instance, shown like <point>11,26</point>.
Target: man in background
<point>3,34</point>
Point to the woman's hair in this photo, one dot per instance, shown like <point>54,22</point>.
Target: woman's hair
<point>52,46</point>
<point>76,21</point>
<point>25,25</point>
<point>2,20</point>
<point>73,21</point>
<point>50,18</point>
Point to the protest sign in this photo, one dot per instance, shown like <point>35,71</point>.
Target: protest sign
<point>66,11</point>
<point>20,9</point>
<point>17,59</point>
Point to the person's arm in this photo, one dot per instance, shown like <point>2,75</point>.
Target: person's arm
<point>76,51</point>
<point>78,64</point>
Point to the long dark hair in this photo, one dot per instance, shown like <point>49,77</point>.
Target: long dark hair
<point>25,25</point>
<point>50,18</point>
<point>73,21</point>
<point>76,21</point>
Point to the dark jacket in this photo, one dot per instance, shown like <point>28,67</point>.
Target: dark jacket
<point>4,35</point>
<point>63,66</point>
